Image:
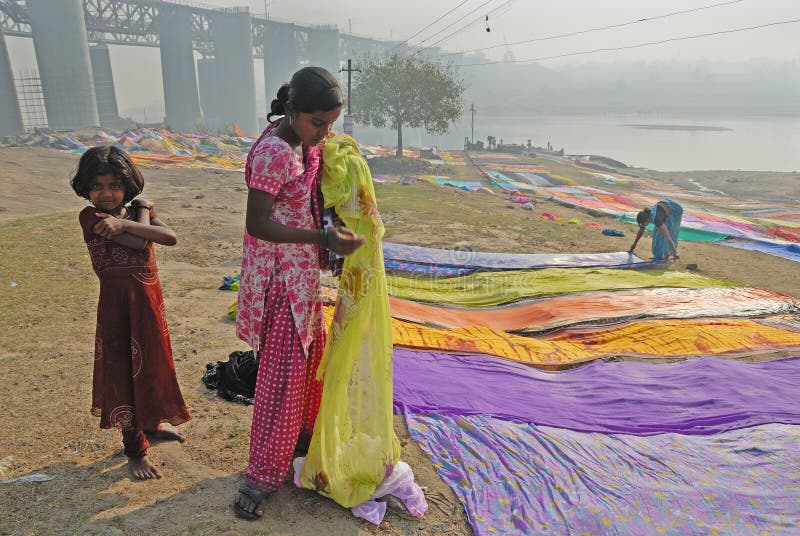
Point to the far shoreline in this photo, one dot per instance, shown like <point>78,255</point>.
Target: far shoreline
<point>695,128</point>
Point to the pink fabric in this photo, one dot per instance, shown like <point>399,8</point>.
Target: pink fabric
<point>287,395</point>
<point>273,167</point>
<point>399,483</point>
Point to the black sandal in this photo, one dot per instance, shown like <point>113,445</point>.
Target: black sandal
<point>256,496</point>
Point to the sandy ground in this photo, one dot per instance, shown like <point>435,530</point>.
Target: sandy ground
<point>48,331</point>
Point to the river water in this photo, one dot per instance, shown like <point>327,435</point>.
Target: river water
<point>750,143</point>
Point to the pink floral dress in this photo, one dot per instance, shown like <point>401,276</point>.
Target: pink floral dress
<point>274,167</point>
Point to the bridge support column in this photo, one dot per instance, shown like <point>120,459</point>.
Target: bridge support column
<point>210,95</point>
<point>280,57</point>
<point>10,116</point>
<point>181,99</point>
<point>233,50</point>
<point>104,84</point>
<point>62,55</point>
<point>323,48</point>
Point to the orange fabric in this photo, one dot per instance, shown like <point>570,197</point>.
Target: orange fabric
<point>238,131</point>
<point>649,338</point>
<point>603,307</point>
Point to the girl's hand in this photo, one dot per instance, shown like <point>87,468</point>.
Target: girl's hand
<point>109,226</point>
<point>344,241</point>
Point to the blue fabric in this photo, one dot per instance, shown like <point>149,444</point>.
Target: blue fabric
<point>785,250</point>
<point>613,232</point>
<point>661,248</point>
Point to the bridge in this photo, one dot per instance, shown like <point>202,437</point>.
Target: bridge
<point>71,39</point>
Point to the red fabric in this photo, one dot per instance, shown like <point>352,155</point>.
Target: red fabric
<point>287,393</point>
<point>134,387</point>
<point>135,442</point>
<point>787,233</point>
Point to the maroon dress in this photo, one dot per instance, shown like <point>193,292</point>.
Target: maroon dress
<point>134,387</point>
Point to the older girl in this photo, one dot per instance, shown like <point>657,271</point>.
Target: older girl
<point>280,310</point>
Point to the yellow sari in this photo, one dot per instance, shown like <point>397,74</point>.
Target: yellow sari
<point>354,447</point>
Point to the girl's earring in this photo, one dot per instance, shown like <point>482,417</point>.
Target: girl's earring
<point>290,119</point>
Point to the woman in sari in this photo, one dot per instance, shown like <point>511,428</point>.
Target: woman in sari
<point>666,219</point>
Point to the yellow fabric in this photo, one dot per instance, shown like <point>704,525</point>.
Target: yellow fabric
<point>354,442</point>
<point>496,288</point>
<point>649,338</point>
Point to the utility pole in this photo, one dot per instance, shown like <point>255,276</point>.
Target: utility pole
<point>472,109</point>
<point>348,118</point>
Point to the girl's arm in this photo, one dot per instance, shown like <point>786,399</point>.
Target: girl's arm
<point>259,225</point>
<point>135,234</point>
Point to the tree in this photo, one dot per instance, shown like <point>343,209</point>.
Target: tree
<point>407,90</point>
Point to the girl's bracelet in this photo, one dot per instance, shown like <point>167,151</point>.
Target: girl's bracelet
<point>324,236</point>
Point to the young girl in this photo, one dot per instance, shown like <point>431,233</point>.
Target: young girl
<point>280,310</point>
<point>134,387</point>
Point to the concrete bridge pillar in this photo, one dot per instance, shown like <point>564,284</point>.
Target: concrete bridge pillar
<point>233,50</point>
<point>62,55</point>
<point>103,84</point>
<point>10,116</point>
<point>280,57</point>
<point>323,49</point>
<point>181,98</point>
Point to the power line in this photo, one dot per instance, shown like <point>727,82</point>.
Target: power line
<point>609,27</point>
<point>448,36</point>
<point>428,26</point>
<point>454,23</point>
<point>640,45</point>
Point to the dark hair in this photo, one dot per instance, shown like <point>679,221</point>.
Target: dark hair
<point>312,89</point>
<point>643,218</point>
<point>107,160</point>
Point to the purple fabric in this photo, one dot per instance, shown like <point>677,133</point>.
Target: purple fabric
<point>517,478</point>
<point>700,396</point>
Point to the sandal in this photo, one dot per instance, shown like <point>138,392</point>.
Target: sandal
<point>255,495</point>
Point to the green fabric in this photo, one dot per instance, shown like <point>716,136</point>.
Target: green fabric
<point>354,443</point>
<point>495,288</point>
<point>686,234</point>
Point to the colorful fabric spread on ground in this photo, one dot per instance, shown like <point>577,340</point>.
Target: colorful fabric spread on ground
<point>495,288</point>
<point>518,478</point>
<point>353,448</point>
<point>648,339</point>
<point>783,249</point>
<point>692,397</point>
<point>165,149</point>
<point>603,308</point>
<point>610,448</point>
<point>686,234</point>
<point>476,260</point>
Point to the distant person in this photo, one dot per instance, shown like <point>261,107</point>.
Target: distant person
<point>666,219</point>
<point>280,309</point>
<point>134,385</point>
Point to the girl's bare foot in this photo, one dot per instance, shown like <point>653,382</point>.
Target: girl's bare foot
<point>142,468</point>
<point>167,432</point>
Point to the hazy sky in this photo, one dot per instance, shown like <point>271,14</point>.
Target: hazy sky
<point>526,19</point>
<point>138,74</point>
